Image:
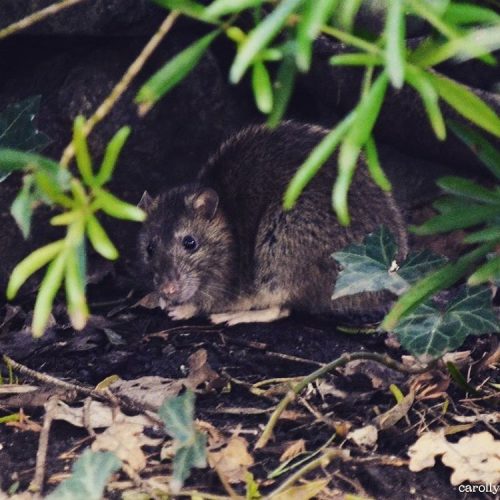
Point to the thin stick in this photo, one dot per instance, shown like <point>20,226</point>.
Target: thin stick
<point>118,90</point>
<point>36,17</point>
<point>342,361</point>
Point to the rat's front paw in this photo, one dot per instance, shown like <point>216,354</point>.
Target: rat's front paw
<point>185,311</point>
<point>257,316</point>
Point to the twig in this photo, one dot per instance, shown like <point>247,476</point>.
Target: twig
<point>342,361</point>
<point>43,445</point>
<point>36,17</point>
<point>127,78</point>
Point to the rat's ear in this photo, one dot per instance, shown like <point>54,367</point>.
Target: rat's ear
<point>205,202</point>
<point>146,202</point>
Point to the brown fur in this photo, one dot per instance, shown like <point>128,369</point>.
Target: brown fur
<point>252,254</point>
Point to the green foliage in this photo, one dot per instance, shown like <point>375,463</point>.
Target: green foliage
<point>426,330</point>
<point>90,474</point>
<point>190,443</point>
<point>288,29</point>
<point>80,199</point>
<point>371,266</point>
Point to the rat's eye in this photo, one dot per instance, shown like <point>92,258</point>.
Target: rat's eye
<point>189,243</point>
<point>150,249</point>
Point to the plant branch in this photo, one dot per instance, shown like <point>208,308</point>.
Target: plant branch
<point>383,359</point>
<point>36,17</point>
<point>118,90</point>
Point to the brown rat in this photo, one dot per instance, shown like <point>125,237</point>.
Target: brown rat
<point>223,246</point>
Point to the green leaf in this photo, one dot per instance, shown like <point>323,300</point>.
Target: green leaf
<point>83,159</point>
<point>31,264</point>
<point>90,474</point>
<point>369,267</point>
<point>487,234</point>
<point>466,103</point>
<point>174,71</point>
<point>178,416</point>
<point>120,209</point>
<point>75,287</point>
<point>22,207</point>
<point>220,8</point>
<point>365,117</point>
<point>459,379</point>
<point>468,13</point>
<point>437,280</point>
<point>356,59</point>
<point>466,188</point>
<point>49,286</point>
<point>374,166</point>
<point>395,47</point>
<point>487,272</point>
<point>283,85</point>
<point>419,80</point>
<point>315,160</point>
<point>113,150</point>
<point>12,159</point>
<point>186,7</point>
<point>262,87</point>
<point>260,37</point>
<point>429,333</point>
<point>482,148</point>
<point>18,127</point>
<point>315,13</point>
<point>100,240</point>
<point>347,12</point>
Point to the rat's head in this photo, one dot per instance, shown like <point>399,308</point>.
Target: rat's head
<point>187,246</point>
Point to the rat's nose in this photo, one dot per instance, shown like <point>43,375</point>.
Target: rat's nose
<point>170,289</point>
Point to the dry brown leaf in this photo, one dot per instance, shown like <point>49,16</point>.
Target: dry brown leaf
<point>474,458</point>
<point>430,385</point>
<point>125,440</point>
<point>233,460</point>
<point>304,491</point>
<point>293,449</point>
<point>396,413</point>
<point>366,436</point>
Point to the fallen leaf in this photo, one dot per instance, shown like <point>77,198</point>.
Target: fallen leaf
<point>430,385</point>
<point>233,460</point>
<point>304,491</point>
<point>474,458</point>
<point>396,413</point>
<point>365,436</point>
<point>293,449</point>
<point>125,440</point>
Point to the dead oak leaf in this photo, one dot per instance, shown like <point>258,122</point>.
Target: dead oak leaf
<point>474,458</point>
<point>233,460</point>
<point>125,440</point>
<point>293,449</point>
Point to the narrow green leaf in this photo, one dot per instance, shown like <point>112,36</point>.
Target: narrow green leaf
<point>356,59</point>
<point>347,13</point>
<point>262,87</point>
<point>46,293</point>
<point>174,71</point>
<point>420,82</point>
<point>395,47</point>
<point>22,207</point>
<point>113,150</point>
<point>458,220</point>
<point>11,159</point>
<point>468,13</point>
<point>439,280</point>
<point>468,189</point>
<point>31,264</point>
<point>66,218</point>
<point>83,159</point>
<point>51,187</point>
<point>482,148</point>
<point>315,13</point>
<point>189,8</point>
<point>220,8</point>
<point>487,272</point>
<point>75,288</point>
<point>100,240</point>
<point>459,379</point>
<point>483,235</point>
<point>367,113</point>
<point>117,208</point>
<point>260,37</point>
<point>315,160</point>
<point>374,166</point>
<point>466,103</point>
<point>283,88</point>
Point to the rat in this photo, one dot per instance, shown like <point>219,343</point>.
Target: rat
<point>224,247</point>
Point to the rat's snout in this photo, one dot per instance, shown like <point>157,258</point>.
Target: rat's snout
<point>170,289</point>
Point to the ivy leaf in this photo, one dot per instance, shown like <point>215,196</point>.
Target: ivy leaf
<point>22,207</point>
<point>90,475</point>
<point>428,332</point>
<point>190,444</point>
<point>18,127</point>
<point>369,267</point>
